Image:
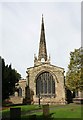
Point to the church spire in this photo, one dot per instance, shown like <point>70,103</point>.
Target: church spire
<point>42,44</point>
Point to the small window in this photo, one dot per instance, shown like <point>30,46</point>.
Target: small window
<point>20,92</point>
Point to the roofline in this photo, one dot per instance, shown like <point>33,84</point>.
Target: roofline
<point>45,63</point>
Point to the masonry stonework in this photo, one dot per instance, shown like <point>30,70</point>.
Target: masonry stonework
<point>58,75</point>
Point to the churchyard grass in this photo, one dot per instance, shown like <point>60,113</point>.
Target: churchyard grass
<point>24,108</point>
<point>64,111</point>
<point>67,111</point>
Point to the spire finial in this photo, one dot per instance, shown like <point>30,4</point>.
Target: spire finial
<point>42,19</point>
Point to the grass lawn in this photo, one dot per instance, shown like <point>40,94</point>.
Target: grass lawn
<point>69,111</point>
<point>24,109</point>
<point>66,111</point>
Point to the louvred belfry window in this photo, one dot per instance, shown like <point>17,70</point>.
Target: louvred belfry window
<point>45,85</point>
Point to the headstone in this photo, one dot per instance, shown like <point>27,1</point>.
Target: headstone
<point>15,113</point>
<point>46,110</point>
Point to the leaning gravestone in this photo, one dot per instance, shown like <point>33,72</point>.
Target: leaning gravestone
<point>15,113</point>
<point>46,110</point>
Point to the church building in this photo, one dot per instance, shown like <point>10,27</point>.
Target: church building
<point>44,81</point>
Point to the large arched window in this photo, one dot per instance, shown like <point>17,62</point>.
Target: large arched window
<point>45,85</point>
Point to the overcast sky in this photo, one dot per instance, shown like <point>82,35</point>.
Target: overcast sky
<point>20,29</point>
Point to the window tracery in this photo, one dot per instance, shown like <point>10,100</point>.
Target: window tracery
<point>45,85</point>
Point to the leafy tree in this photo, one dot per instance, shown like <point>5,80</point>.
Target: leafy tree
<point>9,78</point>
<point>75,68</point>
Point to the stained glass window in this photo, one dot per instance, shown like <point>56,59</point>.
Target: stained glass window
<point>45,84</point>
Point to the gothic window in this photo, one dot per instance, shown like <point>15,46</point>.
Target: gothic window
<point>20,92</point>
<point>37,87</point>
<point>49,85</point>
<point>41,86</point>
<point>45,84</point>
<point>53,85</point>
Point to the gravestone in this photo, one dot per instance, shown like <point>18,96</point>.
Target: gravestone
<point>15,113</point>
<point>46,110</point>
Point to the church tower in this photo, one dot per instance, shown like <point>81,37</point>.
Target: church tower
<point>42,55</point>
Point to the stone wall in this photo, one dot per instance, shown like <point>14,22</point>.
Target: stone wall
<point>58,75</point>
<point>22,85</point>
<point>16,99</point>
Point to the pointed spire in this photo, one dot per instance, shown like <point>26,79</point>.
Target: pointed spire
<point>42,28</point>
<point>42,44</point>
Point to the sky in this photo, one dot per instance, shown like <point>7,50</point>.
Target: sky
<point>20,27</point>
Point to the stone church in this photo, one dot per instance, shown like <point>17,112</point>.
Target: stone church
<point>44,81</point>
